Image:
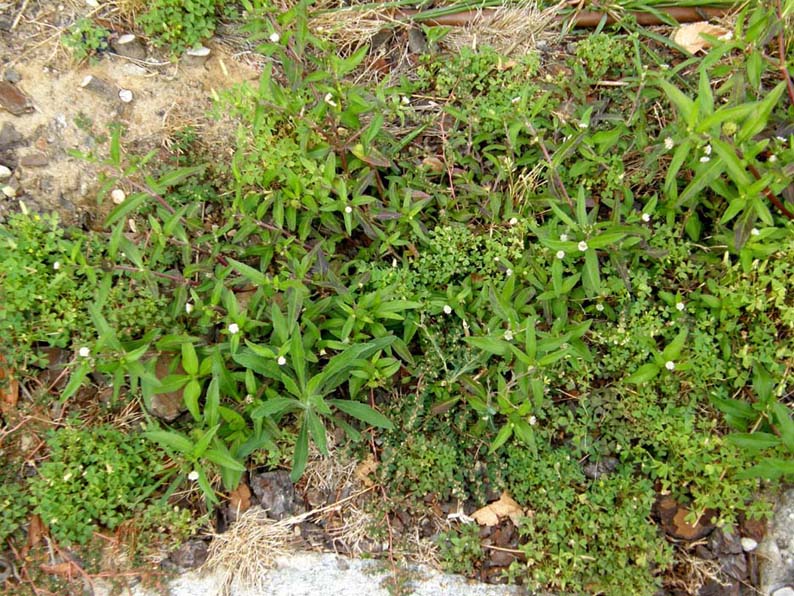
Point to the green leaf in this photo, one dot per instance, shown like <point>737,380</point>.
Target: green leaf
<point>190,395</point>
<point>673,350</point>
<point>757,441</point>
<point>768,468</point>
<point>201,445</point>
<point>643,374</point>
<point>76,380</point>
<point>170,439</point>
<point>686,107</point>
<point>492,345</point>
<point>253,275</point>
<point>189,359</point>
<point>224,459</point>
<point>317,430</point>
<point>301,454</point>
<point>275,405</point>
<point>504,433</point>
<point>784,424</point>
<point>363,412</point>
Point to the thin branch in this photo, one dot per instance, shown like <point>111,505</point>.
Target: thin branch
<point>781,48</point>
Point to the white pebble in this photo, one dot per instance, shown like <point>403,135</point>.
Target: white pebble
<point>125,95</point>
<point>9,191</point>
<point>118,196</point>
<point>5,173</point>
<point>786,591</point>
<point>748,544</point>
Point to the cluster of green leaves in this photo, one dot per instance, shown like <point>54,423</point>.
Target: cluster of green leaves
<point>85,39</point>
<point>94,478</point>
<point>180,24</point>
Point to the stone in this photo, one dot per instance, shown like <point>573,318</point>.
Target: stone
<point>775,553</point>
<point>13,100</point>
<point>9,191</point>
<point>784,591</point>
<point>98,87</point>
<point>167,406</point>
<point>129,46</point>
<point>725,542</point>
<point>125,95</point>
<point>197,56</point>
<point>5,173</point>
<point>12,75</point>
<point>190,555</point>
<point>34,160</point>
<point>275,493</point>
<point>130,69</point>
<point>9,136</point>
<point>734,566</point>
<point>748,544</point>
<point>595,469</point>
<point>673,518</point>
<point>417,42</point>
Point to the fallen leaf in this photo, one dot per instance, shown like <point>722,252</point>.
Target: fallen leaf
<point>364,469</point>
<point>66,569</point>
<point>240,498</point>
<point>504,507</point>
<point>690,37</point>
<point>9,389</point>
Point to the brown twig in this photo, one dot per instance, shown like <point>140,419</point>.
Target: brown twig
<point>781,48</point>
<point>771,196</point>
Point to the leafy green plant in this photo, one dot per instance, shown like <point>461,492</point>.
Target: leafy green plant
<point>85,39</point>
<point>180,24</point>
<point>460,549</point>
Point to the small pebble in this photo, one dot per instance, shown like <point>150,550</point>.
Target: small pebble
<point>787,591</point>
<point>748,544</point>
<point>5,173</point>
<point>9,191</point>
<point>118,196</point>
<point>125,95</point>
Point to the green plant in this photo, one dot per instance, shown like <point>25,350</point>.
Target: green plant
<point>460,550</point>
<point>85,38</point>
<point>180,24</point>
<point>94,478</point>
<point>601,53</point>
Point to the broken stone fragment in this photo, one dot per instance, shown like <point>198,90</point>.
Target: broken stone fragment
<point>196,56</point>
<point>5,173</point>
<point>13,100</point>
<point>34,160</point>
<point>98,87</point>
<point>9,191</point>
<point>129,46</point>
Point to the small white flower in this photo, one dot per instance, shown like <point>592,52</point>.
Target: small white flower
<point>509,272</point>
<point>249,399</point>
<point>84,352</point>
<point>583,125</point>
<point>281,361</point>
<point>188,307</point>
<point>275,37</point>
<point>234,328</point>
<point>348,209</point>
<point>669,143</point>
<point>563,237</point>
<point>513,221</point>
<point>772,158</point>
<point>515,100</point>
<point>600,307</point>
<point>707,150</point>
<point>533,421</point>
<point>705,159</point>
<point>118,196</point>
<point>56,265</point>
<point>404,100</point>
<point>680,306</point>
<point>329,99</point>
<point>669,365</point>
<point>755,232</point>
<point>193,476</point>
<point>508,335</point>
<point>582,246</point>
<point>447,309</point>
<point>781,139</point>
<point>560,254</point>
<point>646,217</point>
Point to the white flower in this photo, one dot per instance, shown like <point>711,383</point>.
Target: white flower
<point>281,361</point>
<point>772,158</point>
<point>249,399</point>
<point>84,352</point>
<point>600,307</point>
<point>646,217</point>
<point>583,125</point>
<point>275,37</point>
<point>118,196</point>
<point>509,272</point>
<point>560,254</point>
<point>329,99</point>
<point>533,421</point>
<point>193,476</point>
<point>234,328</point>
<point>348,209</point>
<point>705,159</point>
<point>680,306</point>
<point>582,246</point>
<point>515,100</point>
<point>447,309</point>
<point>669,365</point>
<point>755,232</point>
<point>707,150</point>
<point>404,100</point>
<point>563,237</point>
<point>56,265</point>
<point>513,221</point>
<point>508,335</point>
<point>188,307</point>
<point>669,143</point>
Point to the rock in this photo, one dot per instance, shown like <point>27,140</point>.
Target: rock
<point>190,555</point>
<point>594,470</point>
<point>167,406</point>
<point>34,160</point>
<point>9,191</point>
<point>13,100</point>
<point>5,173</point>
<point>197,56</point>
<point>734,566</point>
<point>125,95</point>
<point>775,552</point>
<point>12,75</point>
<point>129,46</point>
<point>784,591</point>
<point>724,542</point>
<point>9,136</point>
<point>275,493</point>
<point>98,87</point>
<point>748,544</point>
<point>417,42</point>
<point>673,518</point>
<point>130,69</point>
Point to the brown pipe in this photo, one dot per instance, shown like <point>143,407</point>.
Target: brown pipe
<point>584,18</point>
